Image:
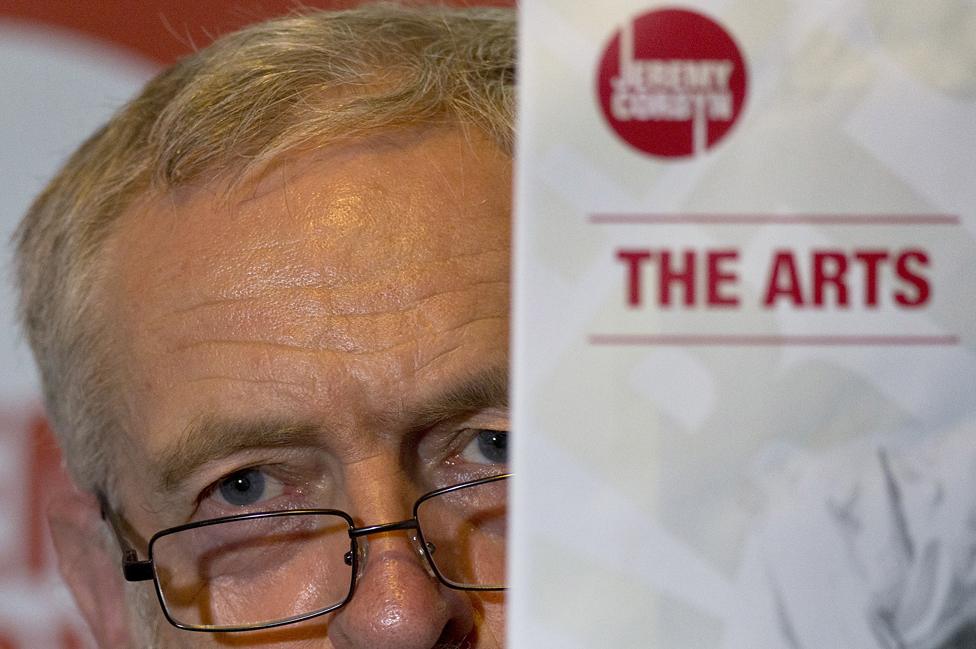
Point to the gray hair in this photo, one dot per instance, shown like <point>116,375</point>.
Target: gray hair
<point>287,85</point>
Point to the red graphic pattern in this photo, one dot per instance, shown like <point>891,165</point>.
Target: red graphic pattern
<point>672,83</point>
<point>165,30</point>
<point>31,561</point>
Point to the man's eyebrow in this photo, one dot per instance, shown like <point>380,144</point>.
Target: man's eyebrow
<point>212,439</point>
<point>486,389</point>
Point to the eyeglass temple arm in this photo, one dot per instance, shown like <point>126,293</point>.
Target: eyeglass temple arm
<point>132,568</point>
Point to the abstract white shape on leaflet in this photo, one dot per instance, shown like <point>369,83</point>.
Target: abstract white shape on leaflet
<point>928,142</point>
<point>936,392</point>
<point>677,383</point>
<point>886,528</point>
<point>642,548</point>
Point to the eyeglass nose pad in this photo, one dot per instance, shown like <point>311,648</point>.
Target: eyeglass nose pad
<point>426,557</point>
<point>360,546</point>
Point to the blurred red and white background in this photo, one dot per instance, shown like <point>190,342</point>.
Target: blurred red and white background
<point>64,68</point>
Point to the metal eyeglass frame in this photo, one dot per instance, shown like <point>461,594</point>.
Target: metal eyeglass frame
<point>134,569</point>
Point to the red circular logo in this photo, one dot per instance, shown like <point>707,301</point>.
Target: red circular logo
<point>672,83</point>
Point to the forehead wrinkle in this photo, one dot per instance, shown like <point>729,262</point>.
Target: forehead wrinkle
<point>348,313</point>
<point>244,379</point>
<point>362,331</point>
<point>348,295</point>
<point>231,301</point>
<point>360,351</point>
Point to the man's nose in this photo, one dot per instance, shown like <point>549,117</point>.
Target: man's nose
<point>397,602</point>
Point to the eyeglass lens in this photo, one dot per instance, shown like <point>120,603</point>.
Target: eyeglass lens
<point>262,571</point>
<point>253,571</point>
<point>465,533</point>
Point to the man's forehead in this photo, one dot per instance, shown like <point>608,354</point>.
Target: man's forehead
<point>368,211</point>
<point>361,274</point>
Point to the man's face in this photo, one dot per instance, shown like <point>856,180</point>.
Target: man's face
<point>334,337</point>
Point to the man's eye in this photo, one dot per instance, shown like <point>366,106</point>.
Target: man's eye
<point>247,487</point>
<point>488,447</point>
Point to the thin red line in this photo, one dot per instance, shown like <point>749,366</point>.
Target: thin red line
<point>776,219</point>
<point>766,341</point>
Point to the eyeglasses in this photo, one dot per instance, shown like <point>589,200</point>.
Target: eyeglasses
<point>267,569</point>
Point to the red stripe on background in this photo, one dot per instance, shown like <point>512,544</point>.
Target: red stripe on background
<point>70,639</point>
<point>43,468</point>
<point>164,30</point>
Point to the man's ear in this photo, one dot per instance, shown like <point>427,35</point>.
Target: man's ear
<point>89,565</point>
